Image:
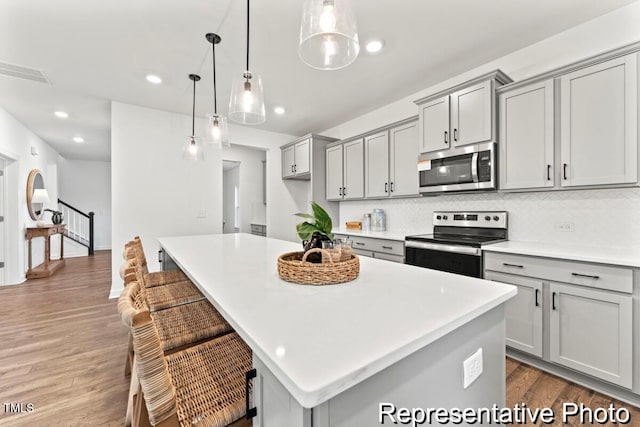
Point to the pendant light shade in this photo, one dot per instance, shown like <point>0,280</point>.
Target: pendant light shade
<point>191,150</point>
<point>246,105</point>
<point>328,34</point>
<point>217,129</point>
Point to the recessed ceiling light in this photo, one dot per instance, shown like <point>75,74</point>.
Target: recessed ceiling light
<point>151,78</point>
<point>279,110</point>
<point>374,46</point>
<point>61,114</point>
<point>78,139</point>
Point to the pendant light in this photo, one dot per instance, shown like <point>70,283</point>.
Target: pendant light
<point>192,151</point>
<point>247,100</point>
<point>328,34</point>
<point>217,129</point>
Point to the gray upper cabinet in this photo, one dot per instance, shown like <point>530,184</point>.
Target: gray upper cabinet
<point>376,165</point>
<point>334,172</point>
<point>526,137</point>
<point>472,114</point>
<point>296,160</point>
<point>599,123</point>
<point>345,170</point>
<point>461,115</point>
<point>403,151</point>
<point>434,125</point>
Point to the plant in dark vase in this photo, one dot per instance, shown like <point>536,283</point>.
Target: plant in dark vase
<point>56,216</point>
<point>315,230</point>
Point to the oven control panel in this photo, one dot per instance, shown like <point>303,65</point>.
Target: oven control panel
<point>488,219</point>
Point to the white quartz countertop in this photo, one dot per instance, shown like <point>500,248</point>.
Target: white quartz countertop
<point>321,340</point>
<point>389,235</point>
<point>622,256</point>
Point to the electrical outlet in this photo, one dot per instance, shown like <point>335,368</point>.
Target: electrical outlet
<point>472,368</point>
<point>202,213</point>
<point>564,226</point>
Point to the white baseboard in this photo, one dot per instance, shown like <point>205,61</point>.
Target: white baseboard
<point>115,293</point>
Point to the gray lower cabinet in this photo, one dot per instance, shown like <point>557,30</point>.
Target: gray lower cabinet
<point>523,313</point>
<point>373,247</point>
<point>259,229</point>
<point>582,313</point>
<point>591,331</point>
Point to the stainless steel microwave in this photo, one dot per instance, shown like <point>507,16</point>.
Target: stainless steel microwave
<point>459,169</point>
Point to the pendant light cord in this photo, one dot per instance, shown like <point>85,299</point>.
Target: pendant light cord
<point>193,111</point>
<point>247,35</point>
<point>215,94</point>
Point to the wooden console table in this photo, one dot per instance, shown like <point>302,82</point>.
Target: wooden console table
<point>48,267</point>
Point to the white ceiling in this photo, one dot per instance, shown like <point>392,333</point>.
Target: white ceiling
<point>96,51</point>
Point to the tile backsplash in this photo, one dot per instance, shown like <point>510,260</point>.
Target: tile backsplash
<point>603,217</point>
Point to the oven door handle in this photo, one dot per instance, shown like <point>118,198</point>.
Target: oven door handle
<point>458,249</point>
<point>474,167</point>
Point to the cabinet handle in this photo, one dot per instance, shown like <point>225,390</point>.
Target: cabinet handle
<point>248,376</point>
<point>295,168</point>
<point>340,191</point>
<point>446,135</point>
<point>553,301</point>
<point>291,168</point>
<point>548,172</point>
<point>160,255</point>
<point>506,264</point>
<point>344,191</point>
<point>359,243</point>
<point>391,187</point>
<point>564,171</point>
<point>387,247</point>
<point>386,187</point>
<point>455,134</point>
<point>537,302</point>
<point>588,276</point>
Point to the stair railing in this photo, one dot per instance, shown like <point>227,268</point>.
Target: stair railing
<point>79,224</point>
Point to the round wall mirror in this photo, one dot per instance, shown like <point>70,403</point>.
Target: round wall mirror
<point>37,195</point>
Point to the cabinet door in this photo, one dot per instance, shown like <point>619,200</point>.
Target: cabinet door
<point>287,161</point>
<point>523,313</point>
<point>599,123</point>
<point>434,125</point>
<point>334,172</point>
<point>471,114</point>
<point>403,151</point>
<point>526,137</point>
<point>302,157</point>
<point>353,170</point>
<point>591,332</point>
<point>376,165</point>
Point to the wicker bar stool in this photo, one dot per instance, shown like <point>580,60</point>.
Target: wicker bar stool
<point>181,325</point>
<point>161,297</point>
<point>204,384</point>
<point>157,278</point>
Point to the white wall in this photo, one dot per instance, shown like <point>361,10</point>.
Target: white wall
<point>86,185</point>
<point>155,193</point>
<point>252,208</point>
<point>15,144</point>
<point>601,217</point>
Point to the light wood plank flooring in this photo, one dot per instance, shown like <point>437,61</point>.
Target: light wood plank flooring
<point>63,350</point>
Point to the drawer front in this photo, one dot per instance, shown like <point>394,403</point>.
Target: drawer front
<point>363,243</point>
<point>363,253</point>
<point>389,257</point>
<point>390,247</point>
<point>597,276</point>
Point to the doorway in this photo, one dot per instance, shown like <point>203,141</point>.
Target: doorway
<point>230,196</point>
<point>3,214</point>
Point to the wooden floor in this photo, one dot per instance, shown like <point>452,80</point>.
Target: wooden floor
<point>63,350</point>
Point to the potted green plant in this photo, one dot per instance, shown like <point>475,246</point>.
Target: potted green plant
<point>315,230</point>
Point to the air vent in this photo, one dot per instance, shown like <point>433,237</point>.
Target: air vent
<point>22,72</point>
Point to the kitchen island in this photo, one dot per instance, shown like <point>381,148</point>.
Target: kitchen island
<point>398,334</point>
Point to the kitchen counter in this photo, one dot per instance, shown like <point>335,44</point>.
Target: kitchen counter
<point>598,254</point>
<point>389,235</point>
<point>321,340</point>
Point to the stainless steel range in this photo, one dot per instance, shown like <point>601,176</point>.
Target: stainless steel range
<point>457,240</point>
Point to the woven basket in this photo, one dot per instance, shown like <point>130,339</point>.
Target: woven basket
<point>293,267</point>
